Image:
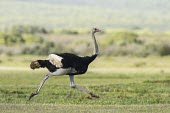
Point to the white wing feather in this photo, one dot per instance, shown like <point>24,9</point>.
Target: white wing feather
<point>55,60</point>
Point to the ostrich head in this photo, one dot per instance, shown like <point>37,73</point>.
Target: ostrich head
<point>94,30</point>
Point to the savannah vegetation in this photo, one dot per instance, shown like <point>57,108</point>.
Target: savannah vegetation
<point>131,73</point>
<point>120,42</point>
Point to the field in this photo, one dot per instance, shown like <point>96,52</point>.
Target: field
<point>139,85</point>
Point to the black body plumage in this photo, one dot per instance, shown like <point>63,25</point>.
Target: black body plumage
<point>80,64</point>
<point>47,64</point>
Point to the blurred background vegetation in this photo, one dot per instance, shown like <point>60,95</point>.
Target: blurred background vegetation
<point>130,28</point>
<point>40,41</point>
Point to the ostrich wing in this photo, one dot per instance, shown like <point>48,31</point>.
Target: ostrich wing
<point>55,60</point>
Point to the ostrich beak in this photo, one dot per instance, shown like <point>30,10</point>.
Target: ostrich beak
<point>98,30</point>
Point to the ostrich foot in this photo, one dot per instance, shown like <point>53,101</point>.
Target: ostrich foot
<point>32,95</point>
<point>94,95</point>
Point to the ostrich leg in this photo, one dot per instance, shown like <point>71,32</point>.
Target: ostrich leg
<point>80,88</point>
<point>40,86</point>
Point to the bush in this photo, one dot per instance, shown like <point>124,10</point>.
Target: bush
<point>122,38</point>
<point>42,48</point>
<point>71,32</point>
<point>164,49</point>
<point>28,30</point>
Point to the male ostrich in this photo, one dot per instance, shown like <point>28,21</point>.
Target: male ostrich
<point>66,64</point>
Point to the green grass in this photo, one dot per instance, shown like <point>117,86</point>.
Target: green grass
<point>118,92</point>
<point>50,108</point>
<point>122,88</point>
<point>113,88</point>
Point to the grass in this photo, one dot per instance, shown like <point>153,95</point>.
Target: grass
<point>122,88</point>
<point>113,88</point>
<point>49,108</point>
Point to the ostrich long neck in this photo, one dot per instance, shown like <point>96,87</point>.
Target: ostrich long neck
<point>96,48</point>
<point>89,59</point>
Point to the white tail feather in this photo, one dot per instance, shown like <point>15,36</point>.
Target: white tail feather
<point>55,60</point>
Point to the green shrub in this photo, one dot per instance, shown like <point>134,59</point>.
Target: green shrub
<point>27,29</point>
<point>29,38</point>
<point>164,49</point>
<point>71,32</point>
<point>3,38</point>
<point>122,38</point>
<point>42,48</point>
<point>126,36</point>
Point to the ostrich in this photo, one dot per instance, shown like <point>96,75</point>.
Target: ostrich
<point>66,64</point>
